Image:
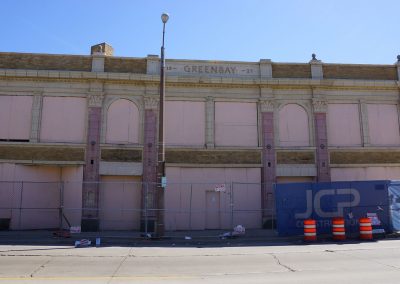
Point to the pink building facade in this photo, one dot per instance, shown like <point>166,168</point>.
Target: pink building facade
<point>80,137</point>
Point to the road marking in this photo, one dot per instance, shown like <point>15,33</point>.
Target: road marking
<point>141,277</point>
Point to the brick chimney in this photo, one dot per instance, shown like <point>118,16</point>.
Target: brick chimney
<point>102,49</point>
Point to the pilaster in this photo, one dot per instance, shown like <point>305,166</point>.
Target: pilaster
<point>98,60</point>
<point>210,122</point>
<point>91,175</point>
<point>265,68</point>
<point>364,123</point>
<point>153,64</point>
<point>148,215</point>
<point>36,117</point>
<point>268,174</point>
<point>321,141</point>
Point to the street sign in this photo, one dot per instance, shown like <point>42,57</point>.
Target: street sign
<point>220,188</point>
<point>163,182</point>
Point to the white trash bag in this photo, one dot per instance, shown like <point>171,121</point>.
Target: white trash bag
<point>239,230</point>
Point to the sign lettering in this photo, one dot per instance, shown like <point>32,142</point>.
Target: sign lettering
<point>326,192</point>
<point>212,69</point>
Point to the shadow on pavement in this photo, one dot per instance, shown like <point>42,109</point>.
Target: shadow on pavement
<point>172,239</point>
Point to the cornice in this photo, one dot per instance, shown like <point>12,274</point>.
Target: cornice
<point>193,82</point>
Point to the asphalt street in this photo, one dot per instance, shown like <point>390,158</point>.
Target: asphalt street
<point>371,262</point>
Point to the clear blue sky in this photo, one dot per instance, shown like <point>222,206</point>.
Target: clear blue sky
<point>338,31</point>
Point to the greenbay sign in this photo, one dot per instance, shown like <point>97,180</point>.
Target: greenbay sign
<point>204,68</point>
<point>209,69</point>
<point>212,69</point>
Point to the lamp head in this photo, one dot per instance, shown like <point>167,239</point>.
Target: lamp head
<point>164,17</point>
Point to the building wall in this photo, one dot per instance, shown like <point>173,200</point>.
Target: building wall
<point>294,179</point>
<point>365,173</point>
<point>213,125</point>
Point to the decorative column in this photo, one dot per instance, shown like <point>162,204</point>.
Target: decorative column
<point>210,121</point>
<point>148,215</point>
<point>90,190</point>
<point>364,123</point>
<point>321,141</point>
<point>268,174</point>
<point>36,117</point>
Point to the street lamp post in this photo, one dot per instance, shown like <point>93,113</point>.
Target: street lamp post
<point>159,228</point>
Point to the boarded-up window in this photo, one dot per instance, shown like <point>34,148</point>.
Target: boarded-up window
<point>293,126</point>
<point>15,117</point>
<point>185,123</point>
<point>201,198</point>
<point>39,187</point>
<point>122,122</point>
<point>366,173</point>
<point>383,124</point>
<point>120,203</point>
<point>343,125</point>
<point>63,119</point>
<point>236,124</point>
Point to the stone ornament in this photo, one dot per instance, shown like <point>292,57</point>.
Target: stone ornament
<point>267,105</point>
<point>320,106</point>
<point>313,56</point>
<point>95,100</point>
<point>151,103</point>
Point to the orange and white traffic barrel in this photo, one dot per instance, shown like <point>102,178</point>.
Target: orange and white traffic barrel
<point>310,230</point>
<point>365,228</point>
<point>338,229</point>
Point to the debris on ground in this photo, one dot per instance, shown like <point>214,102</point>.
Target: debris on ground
<point>62,234</point>
<point>238,230</point>
<point>148,236</point>
<point>226,235</point>
<point>82,243</point>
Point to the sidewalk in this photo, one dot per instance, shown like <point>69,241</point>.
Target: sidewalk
<point>134,238</point>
